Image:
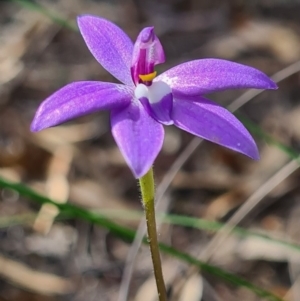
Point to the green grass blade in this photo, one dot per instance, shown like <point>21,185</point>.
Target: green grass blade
<point>128,235</point>
<point>19,219</point>
<point>220,273</point>
<point>197,223</point>
<point>51,15</point>
<point>180,220</point>
<point>203,224</point>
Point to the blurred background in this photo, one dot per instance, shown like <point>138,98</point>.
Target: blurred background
<point>48,257</point>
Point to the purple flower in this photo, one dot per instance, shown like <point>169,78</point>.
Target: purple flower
<point>144,102</point>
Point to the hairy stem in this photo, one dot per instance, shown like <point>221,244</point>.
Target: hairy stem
<point>148,194</point>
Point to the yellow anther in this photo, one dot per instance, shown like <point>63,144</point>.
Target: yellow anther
<point>147,77</point>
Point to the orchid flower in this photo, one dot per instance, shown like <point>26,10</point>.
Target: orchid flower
<point>145,101</point>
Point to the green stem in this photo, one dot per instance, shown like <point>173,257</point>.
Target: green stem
<point>148,194</point>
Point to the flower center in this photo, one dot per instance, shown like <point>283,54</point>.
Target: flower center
<point>157,100</point>
<point>154,93</point>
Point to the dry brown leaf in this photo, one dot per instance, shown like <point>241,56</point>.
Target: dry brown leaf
<point>253,248</point>
<point>15,39</point>
<point>30,279</point>
<point>293,225</point>
<point>280,40</point>
<point>192,289</point>
<point>56,243</point>
<point>148,290</point>
<point>57,188</point>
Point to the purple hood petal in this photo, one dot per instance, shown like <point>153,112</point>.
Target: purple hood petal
<point>147,52</point>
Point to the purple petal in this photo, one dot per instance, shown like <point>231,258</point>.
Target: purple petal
<point>78,99</point>
<point>147,52</point>
<point>110,46</point>
<point>138,136</point>
<point>210,75</point>
<point>212,122</point>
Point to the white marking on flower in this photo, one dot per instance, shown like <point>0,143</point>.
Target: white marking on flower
<point>154,93</point>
